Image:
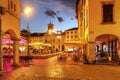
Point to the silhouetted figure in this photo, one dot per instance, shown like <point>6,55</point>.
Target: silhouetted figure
<point>85,59</point>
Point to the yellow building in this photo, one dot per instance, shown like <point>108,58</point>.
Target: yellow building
<point>71,39</point>
<point>10,24</point>
<point>54,39</point>
<point>36,43</point>
<point>98,26</point>
<point>47,42</point>
<point>59,41</point>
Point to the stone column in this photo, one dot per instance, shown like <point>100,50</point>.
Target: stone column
<point>1,58</point>
<point>16,52</point>
<point>118,48</point>
<point>91,51</point>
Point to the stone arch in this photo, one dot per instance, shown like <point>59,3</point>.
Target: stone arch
<point>106,37</point>
<point>11,33</point>
<point>107,46</point>
<point>11,46</point>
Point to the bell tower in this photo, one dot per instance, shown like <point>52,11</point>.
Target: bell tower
<point>50,28</point>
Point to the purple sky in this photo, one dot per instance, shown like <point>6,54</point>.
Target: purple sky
<point>60,12</point>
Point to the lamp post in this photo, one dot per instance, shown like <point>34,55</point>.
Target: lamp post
<point>27,11</point>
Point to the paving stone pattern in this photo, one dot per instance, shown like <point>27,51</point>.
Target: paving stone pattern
<point>52,69</point>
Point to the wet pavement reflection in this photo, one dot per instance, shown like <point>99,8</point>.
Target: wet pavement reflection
<point>53,69</point>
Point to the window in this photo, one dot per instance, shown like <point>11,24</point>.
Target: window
<point>108,13</point>
<point>75,36</point>
<point>67,32</point>
<point>67,36</point>
<point>11,4</point>
<point>53,40</point>
<point>59,46</point>
<point>53,46</point>
<point>58,40</point>
<point>14,7</point>
<point>45,40</point>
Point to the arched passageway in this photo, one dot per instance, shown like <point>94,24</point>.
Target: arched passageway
<point>10,47</point>
<point>106,48</point>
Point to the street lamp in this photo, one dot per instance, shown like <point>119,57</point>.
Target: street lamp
<point>27,11</point>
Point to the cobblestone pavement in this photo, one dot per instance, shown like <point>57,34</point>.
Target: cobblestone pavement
<point>52,69</point>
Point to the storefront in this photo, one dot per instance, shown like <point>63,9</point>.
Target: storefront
<point>7,46</point>
<point>107,48</point>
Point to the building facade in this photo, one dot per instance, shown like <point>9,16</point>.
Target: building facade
<point>71,39</point>
<point>37,43</point>
<point>98,26</point>
<point>55,39</point>
<point>59,41</point>
<point>10,25</point>
<point>48,42</point>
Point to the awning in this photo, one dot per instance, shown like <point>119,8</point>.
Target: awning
<point>39,44</point>
<point>36,43</point>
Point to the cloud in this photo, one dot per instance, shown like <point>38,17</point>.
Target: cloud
<point>53,14</point>
<point>61,7</point>
<point>60,19</point>
<point>67,3</point>
<point>71,18</point>
<point>44,1</point>
<point>58,11</point>
<point>66,7</point>
<point>60,3</point>
<point>50,13</point>
<point>76,17</point>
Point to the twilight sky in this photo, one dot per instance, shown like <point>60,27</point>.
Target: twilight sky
<point>60,12</point>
